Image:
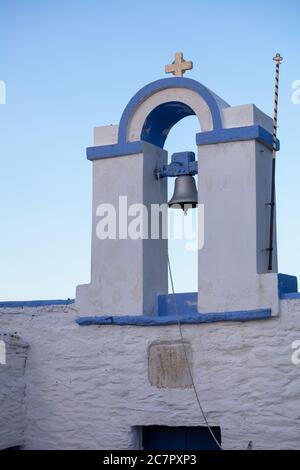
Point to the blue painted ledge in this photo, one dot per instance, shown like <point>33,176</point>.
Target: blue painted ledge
<point>185,319</point>
<point>35,303</point>
<point>186,304</point>
<point>290,295</point>
<point>288,287</point>
<point>235,134</point>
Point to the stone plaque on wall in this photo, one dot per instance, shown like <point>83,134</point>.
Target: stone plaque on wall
<point>167,366</point>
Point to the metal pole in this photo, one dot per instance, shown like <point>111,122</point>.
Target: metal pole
<point>278,59</point>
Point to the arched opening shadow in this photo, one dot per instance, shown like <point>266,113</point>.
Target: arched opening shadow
<point>160,121</point>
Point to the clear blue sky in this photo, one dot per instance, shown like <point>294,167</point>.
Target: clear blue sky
<point>72,65</point>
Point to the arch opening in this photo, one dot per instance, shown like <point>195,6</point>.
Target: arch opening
<point>183,229</point>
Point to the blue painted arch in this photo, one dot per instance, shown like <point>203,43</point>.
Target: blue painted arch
<point>161,119</point>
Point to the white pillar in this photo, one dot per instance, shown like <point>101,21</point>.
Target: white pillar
<point>126,274</point>
<point>235,188</point>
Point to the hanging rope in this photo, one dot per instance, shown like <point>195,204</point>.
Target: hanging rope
<point>278,59</point>
<point>183,343</point>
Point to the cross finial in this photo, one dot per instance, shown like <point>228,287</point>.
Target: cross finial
<point>278,59</point>
<point>179,66</point>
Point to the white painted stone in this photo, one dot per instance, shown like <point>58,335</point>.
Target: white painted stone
<point>234,184</point>
<point>167,365</point>
<point>106,135</point>
<point>126,274</point>
<point>246,115</point>
<point>88,387</point>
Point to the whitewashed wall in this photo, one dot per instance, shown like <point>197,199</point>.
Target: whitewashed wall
<point>12,391</point>
<point>86,387</point>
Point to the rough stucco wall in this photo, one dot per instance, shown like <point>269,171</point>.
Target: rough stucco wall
<point>12,392</point>
<point>87,386</point>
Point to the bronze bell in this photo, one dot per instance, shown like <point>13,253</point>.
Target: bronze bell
<point>185,193</point>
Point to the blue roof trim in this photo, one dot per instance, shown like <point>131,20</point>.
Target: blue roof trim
<point>234,134</point>
<point>143,320</point>
<point>116,150</point>
<point>288,287</point>
<point>35,303</point>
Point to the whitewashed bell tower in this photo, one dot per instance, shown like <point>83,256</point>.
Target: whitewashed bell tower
<point>234,186</point>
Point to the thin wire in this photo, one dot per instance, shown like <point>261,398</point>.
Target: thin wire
<point>183,343</point>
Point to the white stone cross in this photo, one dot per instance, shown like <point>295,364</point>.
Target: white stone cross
<point>179,66</point>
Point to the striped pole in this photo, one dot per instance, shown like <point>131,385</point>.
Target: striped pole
<point>278,59</point>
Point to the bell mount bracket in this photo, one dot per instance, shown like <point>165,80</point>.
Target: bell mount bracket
<point>182,163</point>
